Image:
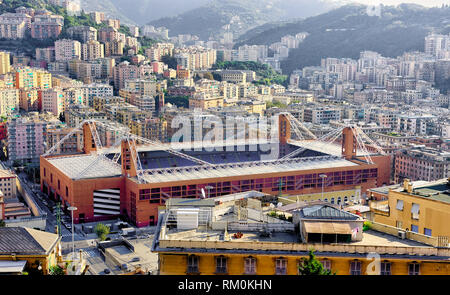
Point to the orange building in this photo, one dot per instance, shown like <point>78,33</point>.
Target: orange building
<point>102,188</point>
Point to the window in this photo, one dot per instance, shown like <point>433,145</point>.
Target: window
<point>415,228</point>
<point>332,201</point>
<point>192,264</point>
<point>326,200</point>
<point>339,200</point>
<point>326,264</point>
<point>250,265</point>
<point>415,211</point>
<point>280,266</point>
<point>355,268</point>
<point>414,269</point>
<point>399,205</point>
<point>399,224</point>
<point>385,268</point>
<point>427,232</point>
<point>221,264</point>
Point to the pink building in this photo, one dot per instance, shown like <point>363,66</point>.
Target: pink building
<point>158,67</point>
<point>53,101</point>
<point>123,72</point>
<point>26,139</point>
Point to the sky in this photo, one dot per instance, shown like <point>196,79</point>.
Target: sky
<point>428,3</point>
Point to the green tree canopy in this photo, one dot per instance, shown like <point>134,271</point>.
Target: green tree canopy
<point>312,266</point>
<point>102,231</point>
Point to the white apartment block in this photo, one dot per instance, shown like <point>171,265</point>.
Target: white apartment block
<point>66,50</point>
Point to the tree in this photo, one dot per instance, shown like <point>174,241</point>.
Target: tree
<point>170,61</point>
<point>62,117</point>
<point>57,271</point>
<point>208,76</point>
<point>102,231</point>
<point>2,223</point>
<point>312,266</point>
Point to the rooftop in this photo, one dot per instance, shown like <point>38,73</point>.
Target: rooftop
<point>323,211</point>
<point>73,165</point>
<point>26,241</point>
<point>249,168</point>
<point>438,191</point>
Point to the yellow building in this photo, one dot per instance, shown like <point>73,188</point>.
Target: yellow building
<point>205,102</point>
<point>44,79</point>
<point>26,77</point>
<point>248,241</point>
<point>101,101</point>
<point>150,128</point>
<point>254,107</point>
<point>420,207</point>
<point>5,63</point>
<point>39,249</point>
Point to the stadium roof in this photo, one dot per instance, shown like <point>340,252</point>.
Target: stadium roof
<point>249,168</point>
<point>73,165</point>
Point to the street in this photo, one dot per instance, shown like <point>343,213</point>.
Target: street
<point>95,259</point>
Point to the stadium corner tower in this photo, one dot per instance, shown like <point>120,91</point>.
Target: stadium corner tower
<point>135,181</point>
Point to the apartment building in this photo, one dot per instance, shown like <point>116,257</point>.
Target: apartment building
<point>107,34</point>
<point>5,63</point>
<point>47,26</point>
<point>66,50</point>
<point>9,101</point>
<point>26,138</point>
<point>71,145</point>
<point>8,184</point>
<point>124,72</point>
<point>92,50</point>
<point>26,77</point>
<point>246,241</point>
<point>75,114</point>
<point>14,25</point>
<point>421,163</point>
<point>321,115</point>
<point>150,128</point>
<point>45,54</point>
<point>53,101</point>
<point>417,206</point>
<point>82,33</point>
<point>159,50</point>
<point>144,87</point>
<point>96,90</point>
<point>97,17</point>
<point>29,99</point>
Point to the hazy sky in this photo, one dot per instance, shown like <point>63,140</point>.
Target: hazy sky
<point>396,2</point>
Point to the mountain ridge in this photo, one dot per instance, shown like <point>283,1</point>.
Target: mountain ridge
<point>348,30</point>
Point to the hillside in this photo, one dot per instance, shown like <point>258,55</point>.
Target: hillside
<point>348,30</point>
<point>238,16</point>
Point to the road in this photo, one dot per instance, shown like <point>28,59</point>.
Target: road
<point>94,258</point>
<point>45,204</point>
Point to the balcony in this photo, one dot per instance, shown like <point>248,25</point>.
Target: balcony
<point>380,207</point>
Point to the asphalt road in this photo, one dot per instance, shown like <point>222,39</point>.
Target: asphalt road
<point>88,247</point>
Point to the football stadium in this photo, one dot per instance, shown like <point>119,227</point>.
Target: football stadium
<point>133,178</point>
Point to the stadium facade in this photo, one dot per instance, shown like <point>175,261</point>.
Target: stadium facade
<point>106,187</point>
